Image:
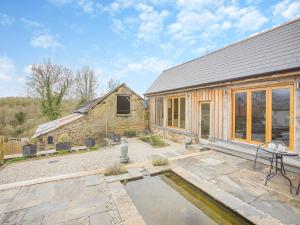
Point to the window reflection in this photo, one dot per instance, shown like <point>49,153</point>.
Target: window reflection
<point>281,115</point>
<point>175,112</point>
<point>241,115</point>
<point>258,116</point>
<point>169,112</point>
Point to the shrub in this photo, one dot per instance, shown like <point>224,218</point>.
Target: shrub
<point>64,138</point>
<point>103,142</point>
<point>116,169</point>
<point>130,133</point>
<point>154,140</point>
<point>160,162</point>
<point>157,141</point>
<point>94,148</point>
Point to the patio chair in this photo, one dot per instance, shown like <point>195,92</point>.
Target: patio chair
<point>265,155</point>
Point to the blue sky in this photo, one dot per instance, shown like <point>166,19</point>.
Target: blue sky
<point>132,41</point>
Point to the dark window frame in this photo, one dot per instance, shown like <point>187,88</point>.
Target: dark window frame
<point>123,110</point>
<point>50,140</point>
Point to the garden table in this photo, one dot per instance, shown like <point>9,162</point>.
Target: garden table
<point>278,156</point>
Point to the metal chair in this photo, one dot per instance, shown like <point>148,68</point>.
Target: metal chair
<point>265,155</point>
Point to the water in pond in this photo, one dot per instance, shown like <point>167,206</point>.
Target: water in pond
<point>168,199</point>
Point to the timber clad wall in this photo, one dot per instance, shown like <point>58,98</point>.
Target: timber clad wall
<point>220,99</point>
<point>216,99</point>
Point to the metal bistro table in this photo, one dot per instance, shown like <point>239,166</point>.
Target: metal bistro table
<point>278,156</point>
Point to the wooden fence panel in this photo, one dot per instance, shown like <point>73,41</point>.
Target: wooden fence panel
<point>12,146</point>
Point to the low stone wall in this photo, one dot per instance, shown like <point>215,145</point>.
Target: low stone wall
<point>173,134</point>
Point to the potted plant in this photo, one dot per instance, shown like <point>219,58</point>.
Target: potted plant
<point>90,142</point>
<point>64,142</point>
<point>29,148</point>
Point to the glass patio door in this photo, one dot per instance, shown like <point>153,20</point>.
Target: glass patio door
<point>205,120</point>
<point>264,114</point>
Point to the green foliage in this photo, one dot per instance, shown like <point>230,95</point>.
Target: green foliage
<point>64,138</point>
<point>32,141</point>
<point>50,83</point>
<point>10,106</point>
<point>20,117</point>
<point>18,159</point>
<point>63,152</point>
<point>94,148</point>
<point>153,140</point>
<point>130,133</point>
<point>160,162</point>
<point>116,169</point>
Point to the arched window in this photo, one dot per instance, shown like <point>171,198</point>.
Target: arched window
<point>50,140</point>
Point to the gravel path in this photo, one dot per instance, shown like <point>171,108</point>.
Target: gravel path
<point>138,152</point>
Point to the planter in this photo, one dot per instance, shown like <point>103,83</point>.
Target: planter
<point>63,146</point>
<point>29,150</point>
<point>117,138</point>
<point>90,142</point>
<point>111,135</point>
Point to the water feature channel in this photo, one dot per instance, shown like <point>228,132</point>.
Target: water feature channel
<point>168,199</point>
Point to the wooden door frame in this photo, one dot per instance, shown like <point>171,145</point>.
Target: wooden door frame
<point>268,89</point>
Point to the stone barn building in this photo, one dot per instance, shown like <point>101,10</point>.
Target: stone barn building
<point>117,111</point>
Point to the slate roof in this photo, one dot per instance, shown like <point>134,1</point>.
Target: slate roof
<point>274,50</point>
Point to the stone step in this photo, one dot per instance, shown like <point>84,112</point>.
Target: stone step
<point>197,147</point>
<point>291,164</point>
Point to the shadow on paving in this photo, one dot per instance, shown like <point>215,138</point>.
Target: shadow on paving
<point>237,177</point>
<point>74,201</point>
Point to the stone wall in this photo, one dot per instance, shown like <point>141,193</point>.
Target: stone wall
<point>103,119</point>
<point>173,134</point>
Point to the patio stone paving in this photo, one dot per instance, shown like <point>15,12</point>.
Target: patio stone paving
<point>236,177</point>
<point>74,201</point>
<point>139,151</point>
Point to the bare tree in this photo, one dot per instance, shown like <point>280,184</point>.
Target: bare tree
<point>86,84</point>
<point>112,83</point>
<point>50,83</point>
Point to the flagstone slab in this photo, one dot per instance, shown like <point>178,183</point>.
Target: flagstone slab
<point>101,219</point>
<point>277,205</point>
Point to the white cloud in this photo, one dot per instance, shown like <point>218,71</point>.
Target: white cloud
<point>87,6</point>
<point>189,23</point>
<point>6,68</point>
<point>118,26</point>
<point>153,64</point>
<point>119,5</point>
<point>251,20</point>
<point>5,20</point>
<point>198,20</point>
<point>287,9</point>
<point>27,69</point>
<point>31,23</point>
<point>151,22</point>
<point>204,50</point>
<point>45,41</point>
<point>123,67</point>
<point>196,5</point>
